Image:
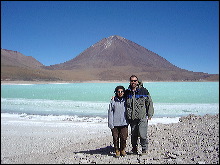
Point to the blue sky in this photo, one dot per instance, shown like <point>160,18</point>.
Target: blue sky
<point>186,33</point>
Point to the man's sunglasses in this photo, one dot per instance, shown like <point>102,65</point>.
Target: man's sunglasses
<point>133,80</point>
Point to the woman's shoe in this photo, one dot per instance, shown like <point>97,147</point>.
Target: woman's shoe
<point>117,153</point>
<point>123,153</point>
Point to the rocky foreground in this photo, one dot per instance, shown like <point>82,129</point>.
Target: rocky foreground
<point>194,140</point>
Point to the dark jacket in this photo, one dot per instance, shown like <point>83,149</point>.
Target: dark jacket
<point>139,103</point>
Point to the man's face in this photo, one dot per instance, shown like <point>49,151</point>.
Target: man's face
<point>133,82</point>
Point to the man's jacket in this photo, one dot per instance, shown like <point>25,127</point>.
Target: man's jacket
<point>139,103</point>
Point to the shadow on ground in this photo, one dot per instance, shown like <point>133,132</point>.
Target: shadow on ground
<point>108,150</point>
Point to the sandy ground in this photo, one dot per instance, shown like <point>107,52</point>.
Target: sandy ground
<point>193,140</point>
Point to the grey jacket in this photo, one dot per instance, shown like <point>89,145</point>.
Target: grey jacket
<point>139,104</point>
<point>117,113</point>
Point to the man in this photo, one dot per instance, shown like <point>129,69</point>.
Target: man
<point>139,111</point>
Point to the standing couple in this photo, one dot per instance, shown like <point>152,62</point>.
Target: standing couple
<point>132,106</point>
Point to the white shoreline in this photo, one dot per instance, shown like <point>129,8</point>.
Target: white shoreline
<point>25,119</point>
<point>20,130</point>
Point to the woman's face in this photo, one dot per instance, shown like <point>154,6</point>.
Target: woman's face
<point>120,92</point>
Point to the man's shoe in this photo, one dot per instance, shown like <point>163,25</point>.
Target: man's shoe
<point>134,151</point>
<point>123,153</point>
<point>117,153</point>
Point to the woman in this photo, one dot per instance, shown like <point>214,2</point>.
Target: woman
<point>117,121</point>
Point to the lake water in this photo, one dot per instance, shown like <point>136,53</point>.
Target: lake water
<point>89,101</point>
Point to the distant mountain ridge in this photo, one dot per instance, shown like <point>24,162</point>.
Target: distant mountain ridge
<point>112,58</point>
<point>14,58</point>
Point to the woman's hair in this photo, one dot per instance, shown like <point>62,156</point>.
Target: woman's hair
<point>117,88</point>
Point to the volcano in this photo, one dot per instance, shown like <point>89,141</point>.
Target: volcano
<point>117,58</point>
<point>112,58</point>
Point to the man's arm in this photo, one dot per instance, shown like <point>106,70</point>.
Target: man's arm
<point>149,105</point>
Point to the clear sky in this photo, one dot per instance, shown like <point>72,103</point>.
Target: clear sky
<point>186,33</point>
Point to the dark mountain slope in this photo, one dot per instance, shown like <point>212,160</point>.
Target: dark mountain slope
<point>116,58</point>
<point>117,51</point>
